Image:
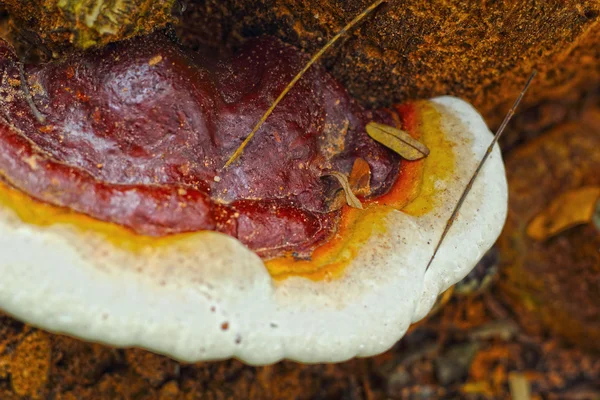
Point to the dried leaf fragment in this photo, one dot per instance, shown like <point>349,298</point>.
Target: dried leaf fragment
<point>351,198</point>
<point>520,388</point>
<point>360,178</point>
<point>398,140</point>
<point>569,209</point>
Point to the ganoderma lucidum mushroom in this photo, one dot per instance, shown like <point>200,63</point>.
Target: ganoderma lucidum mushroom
<point>119,224</point>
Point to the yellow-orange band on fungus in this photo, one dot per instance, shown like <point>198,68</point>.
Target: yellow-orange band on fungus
<point>35,212</point>
<point>413,193</point>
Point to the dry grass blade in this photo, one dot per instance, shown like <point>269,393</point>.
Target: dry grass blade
<point>314,58</point>
<point>460,202</point>
<point>351,199</point>
<point>398,140</point>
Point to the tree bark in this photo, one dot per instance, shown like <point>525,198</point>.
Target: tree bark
<point>479,50</point>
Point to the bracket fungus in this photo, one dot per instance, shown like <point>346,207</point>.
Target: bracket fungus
<point>120,224</point>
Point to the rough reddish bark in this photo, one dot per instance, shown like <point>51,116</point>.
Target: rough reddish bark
<point>85,23</point>
<point>482,51</point>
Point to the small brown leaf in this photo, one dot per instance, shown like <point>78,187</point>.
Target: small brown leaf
<point>399,141</point>
<point>360,178</point>
<point>350,197</point>
<point>570,209</point>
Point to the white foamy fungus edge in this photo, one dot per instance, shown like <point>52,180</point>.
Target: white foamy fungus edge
<point>210,298</point>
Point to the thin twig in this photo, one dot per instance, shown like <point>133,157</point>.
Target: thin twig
<point>314,58</point>
<point>25,87</point>
<point>507,119</point>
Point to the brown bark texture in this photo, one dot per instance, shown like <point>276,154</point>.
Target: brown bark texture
<point>482,51</point>
<point>56,25</point>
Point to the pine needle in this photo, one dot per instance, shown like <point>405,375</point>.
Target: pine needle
<point>314,58</point>
<point>28,97</point>
<point>507,119</point>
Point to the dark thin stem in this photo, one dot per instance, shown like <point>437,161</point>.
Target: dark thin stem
<point>507,119</point>
<point>314,58</point>
<point>25,87</point>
